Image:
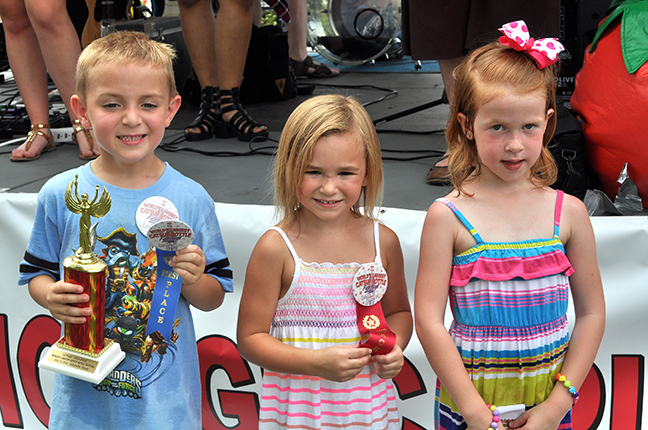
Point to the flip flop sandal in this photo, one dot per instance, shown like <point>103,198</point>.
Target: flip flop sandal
<point>37,130</point>
<point>79,128</point>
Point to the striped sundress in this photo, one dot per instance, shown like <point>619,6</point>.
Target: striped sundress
<point>509,302</point>
<point>319,311</point>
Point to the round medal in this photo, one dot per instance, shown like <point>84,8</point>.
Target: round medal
<point>170,235</point>
<point>155,209</point>
<point>369,284</point>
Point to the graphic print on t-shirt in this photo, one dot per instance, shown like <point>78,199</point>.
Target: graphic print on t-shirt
<point>129,290</point>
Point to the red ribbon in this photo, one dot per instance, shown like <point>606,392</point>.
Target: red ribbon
<point>374,330</point>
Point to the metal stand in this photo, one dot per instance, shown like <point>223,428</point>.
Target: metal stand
<point>442,100</point>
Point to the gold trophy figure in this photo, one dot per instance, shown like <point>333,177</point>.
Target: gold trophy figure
<point>83,351</point>
<point>86,269</point>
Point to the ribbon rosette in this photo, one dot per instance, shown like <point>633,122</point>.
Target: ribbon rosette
<point>543,51</point>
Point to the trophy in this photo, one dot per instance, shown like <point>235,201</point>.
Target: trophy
<point>83,352</point>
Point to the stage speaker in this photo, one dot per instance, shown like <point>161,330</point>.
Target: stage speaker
<point>4,61</point>
<point>352,32</point>
<point>579,22</point>
<point>78,12</point>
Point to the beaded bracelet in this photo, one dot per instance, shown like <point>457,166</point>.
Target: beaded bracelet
<point>560,377</point>
<point>496,418</point>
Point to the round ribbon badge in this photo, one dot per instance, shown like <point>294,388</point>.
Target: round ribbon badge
<point>170,235</point>
<point>370,284</point>
<point>153,210</point>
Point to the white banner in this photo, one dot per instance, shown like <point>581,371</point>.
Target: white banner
<point>611,398</point>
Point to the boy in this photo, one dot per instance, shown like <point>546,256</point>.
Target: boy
<point>127,94</point>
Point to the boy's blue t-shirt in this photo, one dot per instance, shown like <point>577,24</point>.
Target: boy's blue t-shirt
<point>158,383</point>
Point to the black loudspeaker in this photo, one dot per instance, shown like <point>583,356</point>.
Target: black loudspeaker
<point>78,12</point>
<point>4,61</point>
<point>579,20</point>
<point>267,76</point>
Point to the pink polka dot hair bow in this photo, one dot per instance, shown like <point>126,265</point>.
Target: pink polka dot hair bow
<point>543,51</point>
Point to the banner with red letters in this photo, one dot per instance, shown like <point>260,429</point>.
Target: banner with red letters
<point>611,398</point>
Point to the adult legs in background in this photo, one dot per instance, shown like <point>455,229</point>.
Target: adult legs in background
<point>301,63</point>
<point>447,68</point>
<point>41,38</point>
<point>218,48</point>
<point>439,172</point>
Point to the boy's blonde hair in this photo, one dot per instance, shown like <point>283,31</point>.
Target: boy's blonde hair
<point>124,47</point>
<point>313,119</point>
<point>486,73</point>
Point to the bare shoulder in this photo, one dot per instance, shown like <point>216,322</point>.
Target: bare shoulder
<point>271,246</point>
<point>388,237</point>
<point>390,246</point>
<point>270,237</point>
<point>574,207</point>
<point>440,214</point>
<point>270,267</point>
<point>574,219</point>
<point>574,212</point>
<point>441,222</point>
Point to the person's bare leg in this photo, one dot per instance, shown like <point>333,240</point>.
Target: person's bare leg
<point>297,30</point>
<point>233,32</point>
<point>61,48</point>
<point>217,49</point>
<point>198,30</point>
<point>257,13</point>
<point>447,68</point>
<point>28,68</point>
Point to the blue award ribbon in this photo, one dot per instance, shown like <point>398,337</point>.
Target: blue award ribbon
<point>165,297</point>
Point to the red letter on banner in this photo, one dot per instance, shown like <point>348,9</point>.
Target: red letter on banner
<point>241,405</point>
<point>409,382</point>
<point>627,392</point>
<point>9,405</point>
<point>218,352</point>
<point>40,332</point>
<point>588,412</point>
<point>411,425</point>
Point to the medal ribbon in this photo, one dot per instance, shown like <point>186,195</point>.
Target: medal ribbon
<point>165,296</point>
<point>369,286</point>
<point>374,330</point>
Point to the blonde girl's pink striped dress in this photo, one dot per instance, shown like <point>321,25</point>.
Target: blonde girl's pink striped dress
<point>319,311</point>
<point>509,303</point>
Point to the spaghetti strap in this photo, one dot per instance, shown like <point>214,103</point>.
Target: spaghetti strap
<point>559,201</point>
<point>462,218</point>
<point>288,244</point>
<point>377,241</point>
